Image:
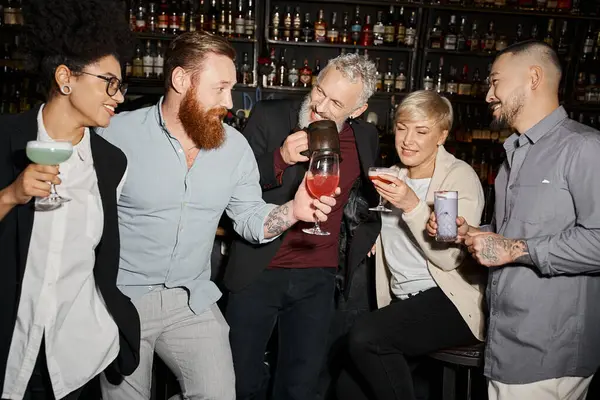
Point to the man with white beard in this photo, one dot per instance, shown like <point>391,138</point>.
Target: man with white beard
<point>185,168</point>
<point>291,281</point>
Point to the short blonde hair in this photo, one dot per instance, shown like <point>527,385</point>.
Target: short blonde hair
<point>426,105</point>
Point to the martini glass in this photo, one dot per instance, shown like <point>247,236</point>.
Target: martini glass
<point>382,175</point>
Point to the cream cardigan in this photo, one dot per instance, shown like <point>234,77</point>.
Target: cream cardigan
<point>450,266</point>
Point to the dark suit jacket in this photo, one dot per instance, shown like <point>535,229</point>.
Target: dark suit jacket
<point>15,234</point>
<point>269,125</point>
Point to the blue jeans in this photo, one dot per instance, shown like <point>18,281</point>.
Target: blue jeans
<point>301,302</point>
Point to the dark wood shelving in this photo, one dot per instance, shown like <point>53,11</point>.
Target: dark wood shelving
<point>143,86</point>
<point>511,11</point>
<point>365,2</point>
<point>341,46</point>
<point>167,37</point>
<point>461,53</point>
<point>582,106</point>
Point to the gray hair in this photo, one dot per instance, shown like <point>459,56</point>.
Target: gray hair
<point>355,67</point>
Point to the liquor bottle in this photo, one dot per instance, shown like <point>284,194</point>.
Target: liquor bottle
<point>174,17</point>
<point>551,5</point>
<point>272,76</point>
<point>400,82</point>
<point>213,17</point>
<point>549,38</point>
<point>159,61</point>
<point>152,18</point>
<point>316,72</point>
<point>163,17</point>
<point>366,36</point>
<point>230,31</point>
<point>249,21</point>
<point>411,30</point>
<point>490,38</point>
<point>474,41</point>
<point>451,37</point>
<point>400,29</point>
<point>297,25</point>
<point>378,30</point>
<point>519,35</point>
<point>564,5</point>
<point>476,84</point>
<point>275,19</point>
<point>378,76</point>
<point>428,77</point>
<point>140,17</point>
<point>440,82</point>
<point>192,16</point>
<point>246,75</point>
<point>321,28</point>
<point>452,83</point>
<point>563,41</point>
<point>307,29</point>
<point>534,32</point>
<point>333,33</point>
<point>388,78</point>
<point>356,27</point>
<point>293,77</point>
<point>389,31</point>
<point>588,43</point>
<point>345,33</point>
<point>222,24</point>
<point>148,61</point>
<point>184,16</point>
<point>305,75</point>
<point>461,38</point>
<point>5,17</point>
<point>240,20</point>
<point>435,36</point>
<point>138,63</point>
<point>287,24</point>
<point>464,86</point>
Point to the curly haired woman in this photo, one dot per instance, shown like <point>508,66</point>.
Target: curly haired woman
<point>62,319</point>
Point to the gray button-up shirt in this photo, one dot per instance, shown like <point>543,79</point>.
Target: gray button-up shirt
<point>168,215</point>
<point>545,319</point>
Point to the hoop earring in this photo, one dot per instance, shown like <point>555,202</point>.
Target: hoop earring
<point>65,89</point>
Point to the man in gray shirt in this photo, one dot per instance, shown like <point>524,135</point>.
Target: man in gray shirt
<point>185,168</point>
<point>543,338</point>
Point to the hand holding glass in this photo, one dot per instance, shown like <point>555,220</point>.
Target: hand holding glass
<point>381,174</point>
<point>322,180</point>
<point>49,153</point>
<point>446,211</point>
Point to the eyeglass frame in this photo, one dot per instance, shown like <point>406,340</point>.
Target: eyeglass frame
<point>121,88</point>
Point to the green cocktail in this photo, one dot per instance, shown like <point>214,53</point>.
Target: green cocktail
<point>49,153</point>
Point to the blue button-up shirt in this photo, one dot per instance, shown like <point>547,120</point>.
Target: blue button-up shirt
<point>545,319</point>
<point>168,214</point>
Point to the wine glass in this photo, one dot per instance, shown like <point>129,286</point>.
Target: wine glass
<point>49,153</point>
<point>322,180</point>
<point>380,174</point>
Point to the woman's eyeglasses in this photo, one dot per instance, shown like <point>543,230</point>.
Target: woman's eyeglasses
<point>113,84</point>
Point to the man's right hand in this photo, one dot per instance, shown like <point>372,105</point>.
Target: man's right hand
<point>461,224</point>
<point>294,144</point>
<point>33,181</point>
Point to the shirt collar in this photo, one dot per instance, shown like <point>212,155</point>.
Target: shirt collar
<point>546,125</point>
<point>159,115</point>
<point>83,148</point>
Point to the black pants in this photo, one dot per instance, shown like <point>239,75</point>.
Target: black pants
<point>301,302</point>
<point>40,386</point>
<point>380,342</point>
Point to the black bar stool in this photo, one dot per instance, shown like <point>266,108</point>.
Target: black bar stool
<point>469,357</point>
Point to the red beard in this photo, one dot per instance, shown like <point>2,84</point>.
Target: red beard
<point>205,128</point>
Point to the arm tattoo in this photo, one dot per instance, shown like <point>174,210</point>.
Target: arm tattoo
<point>518,250</point>
<point>278,221</point>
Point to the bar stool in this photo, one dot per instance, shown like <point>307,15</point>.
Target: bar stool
<point>470,357</point>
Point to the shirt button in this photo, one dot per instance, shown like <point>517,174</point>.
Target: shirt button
<point>511,187</point>
<point>180,150</point>
<point>495,313</point>
<point>505,219</point>
<point>494,283</point>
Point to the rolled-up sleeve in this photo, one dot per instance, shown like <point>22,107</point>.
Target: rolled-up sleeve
<point>246,208</point>
<point>575,250</point>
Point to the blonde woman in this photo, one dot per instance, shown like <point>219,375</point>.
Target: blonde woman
<point>428,296</point>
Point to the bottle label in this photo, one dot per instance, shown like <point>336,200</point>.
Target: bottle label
<point>320,33</point>
<point>389,34</point>
<point>163,21</point>
<point>249,27</point>
<point>401,34</point>
<point>464,89</point>
<point>306,79</point>
<point>293,78</point>
<point>400,84</point>
<point>588,46</point>
<point>410,37</point>
<point>239,26</point>
<point>428,84</point>
<point>450,42</point>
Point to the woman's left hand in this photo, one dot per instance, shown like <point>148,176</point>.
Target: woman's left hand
<point>398,193</point>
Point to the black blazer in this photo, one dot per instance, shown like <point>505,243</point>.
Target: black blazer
<point>15,234</point>
<point>269,125</point>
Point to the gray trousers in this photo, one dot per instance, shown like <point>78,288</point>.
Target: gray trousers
<point>194,347</point>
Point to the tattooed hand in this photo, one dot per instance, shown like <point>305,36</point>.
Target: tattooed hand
<point>492,250</point>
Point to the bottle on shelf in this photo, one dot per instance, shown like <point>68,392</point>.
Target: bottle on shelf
<point>474,41</point>
<point>428,77</point>
<point>213,17</point>
<point>148,61</point>
<point>345,33</point>
<point>320,28</point>
<point>287,24</point>
<point>240,21</point>
<point>490,38</point>
<point>461,37</point>
<point>272,76</point>
<point>440,82</point>
<point>174,17</point>
<point>316,72</point>
<point>464,86</point>
<point>249,27</point>
<point>452,82</point>
<point>246,74</point>
<point>400,81</point>
<point>159,61</point>
<point>222,24</point>
<point>297,25</point>
<point>307,29</point>
<point>435,36</point>
<point>275,20</point>
<point>333,33</point>
<point>388,78</point>
<point>451,37</point>
<point>366,35</point>
<point>138,63</point>
<point>389,32</point>
<point>305,75</point>
<point>163,17</point>
<point>184,16</point>
<point>400,29</point>
<point>378,30</point>
<point>549,38</point>
<point>356,28</point>
<point>140,17</point>
<point>378,76</point>
<point>563,41</point>
<point>411,30</point>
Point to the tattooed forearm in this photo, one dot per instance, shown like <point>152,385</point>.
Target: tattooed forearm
<point>278,221</point>
<point>519,252</point>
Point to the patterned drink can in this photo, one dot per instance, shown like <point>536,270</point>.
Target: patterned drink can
<point>446,212</point>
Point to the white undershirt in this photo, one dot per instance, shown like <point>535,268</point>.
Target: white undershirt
<point>403,256</point>
<point>59,298</point>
